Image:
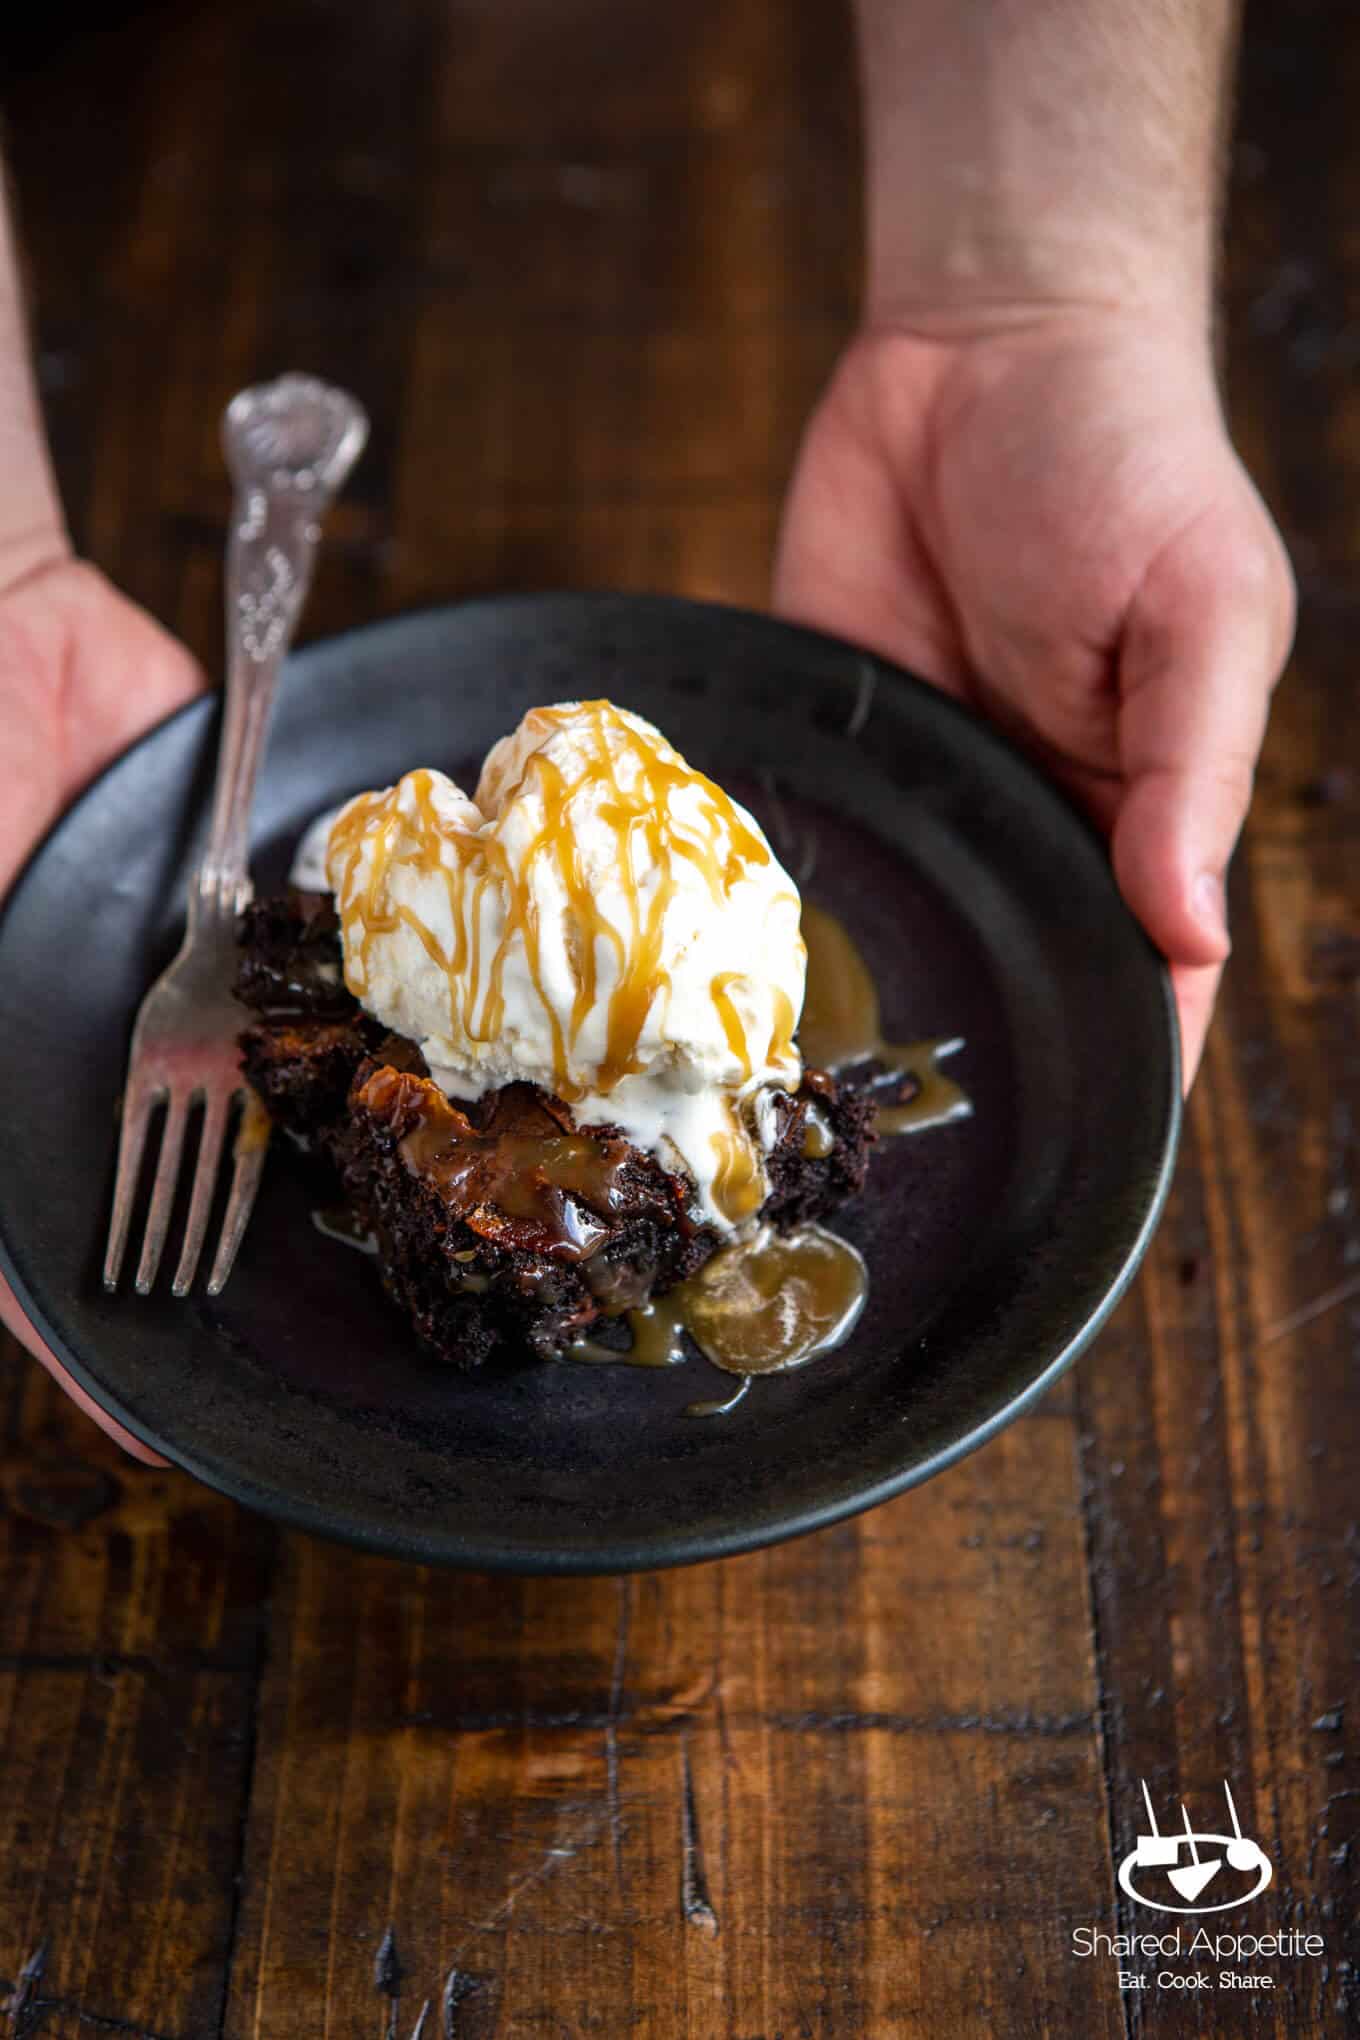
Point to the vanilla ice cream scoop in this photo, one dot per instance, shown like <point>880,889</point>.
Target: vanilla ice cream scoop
<point>602,921</point>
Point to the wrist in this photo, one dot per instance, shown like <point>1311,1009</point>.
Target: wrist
<point>929,311</point>
<point>971,269</point>
<point>1116,367</point>
<point>29,546</point>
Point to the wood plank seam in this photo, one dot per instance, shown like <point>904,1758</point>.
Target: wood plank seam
<point>258,1666</point>
<point>1129,2008</point>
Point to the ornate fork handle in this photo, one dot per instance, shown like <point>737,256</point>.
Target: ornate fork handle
<point>290,445</point>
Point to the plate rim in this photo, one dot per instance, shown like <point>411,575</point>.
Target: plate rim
<point>673,1547</point>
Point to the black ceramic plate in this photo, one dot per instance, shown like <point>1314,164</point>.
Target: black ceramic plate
<point>996,1246</point>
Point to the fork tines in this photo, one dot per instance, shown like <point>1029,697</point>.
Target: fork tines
<point>144,1096</point>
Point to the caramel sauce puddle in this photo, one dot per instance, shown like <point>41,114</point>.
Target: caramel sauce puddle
<point>842,1026</point>
<point>760,1306</point>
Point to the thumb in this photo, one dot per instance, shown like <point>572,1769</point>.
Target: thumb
<point>1203,646</point>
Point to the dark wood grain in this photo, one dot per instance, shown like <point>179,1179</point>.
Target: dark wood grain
<point>587,264</point>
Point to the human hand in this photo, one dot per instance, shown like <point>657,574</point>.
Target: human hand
<point>83,672</point>
<point>1045,517</point>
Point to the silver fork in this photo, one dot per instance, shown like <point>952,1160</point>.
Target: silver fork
<point>289,445</point>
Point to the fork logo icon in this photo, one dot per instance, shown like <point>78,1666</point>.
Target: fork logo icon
<point>1157,1863</point>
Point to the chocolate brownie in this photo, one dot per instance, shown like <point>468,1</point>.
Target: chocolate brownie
<point>503,1227</point>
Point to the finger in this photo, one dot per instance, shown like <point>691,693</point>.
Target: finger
<point>1203,646</point>
<point>1196,989</point>
<point>23,1331</point>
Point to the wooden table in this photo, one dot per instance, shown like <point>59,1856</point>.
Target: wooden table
<point>588,263</point>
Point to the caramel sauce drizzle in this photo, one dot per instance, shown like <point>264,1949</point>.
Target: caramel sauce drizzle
<point>654,1339</point>
<point>739,1185</point>
<point>548,1180</point>
<point>638,817</point>
<point>720,1405</point>
<point>842,1025</point>
<point>524,1170</point>
<point>732,1023</point>
<point>255,1125</point>
<point>819,1140</point>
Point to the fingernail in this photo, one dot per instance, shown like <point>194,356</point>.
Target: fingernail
<point>1211,910</point>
